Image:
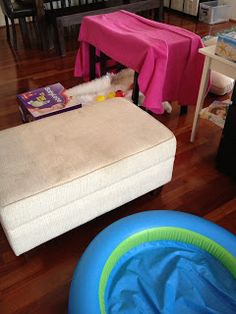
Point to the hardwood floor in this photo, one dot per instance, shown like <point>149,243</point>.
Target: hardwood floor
<point>38,281</point>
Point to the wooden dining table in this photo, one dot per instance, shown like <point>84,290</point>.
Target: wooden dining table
<point>66,17</point>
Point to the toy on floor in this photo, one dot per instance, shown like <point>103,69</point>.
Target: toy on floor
<point>157,262</point>
<point>117,93</point>
<point>111,95</point>
<point>100,98</point>
<point>108,86</point>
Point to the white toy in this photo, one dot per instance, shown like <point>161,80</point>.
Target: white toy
<point>108,86</point>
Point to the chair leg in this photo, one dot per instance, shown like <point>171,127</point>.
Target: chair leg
<point>24,29</point>
<point>60,37</point>
<point>37,32</point>
<point>7,28</point>
<point>36,28</point>
<point>23,26</point>
<point>14,33</point>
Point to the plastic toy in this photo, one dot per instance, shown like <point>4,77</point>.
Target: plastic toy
<point>120,93</point>
<point>111,95</point>
<point>100,98</point>
<point>157,262</point>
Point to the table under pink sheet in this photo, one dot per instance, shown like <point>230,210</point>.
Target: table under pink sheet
<point>166,57</point>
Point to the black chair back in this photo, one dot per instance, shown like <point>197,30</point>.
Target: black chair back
<point>6,7</point>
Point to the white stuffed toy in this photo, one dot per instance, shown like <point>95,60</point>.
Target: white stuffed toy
<point>107,87</point>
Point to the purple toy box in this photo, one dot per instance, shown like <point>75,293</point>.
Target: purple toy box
<point>45,101</point>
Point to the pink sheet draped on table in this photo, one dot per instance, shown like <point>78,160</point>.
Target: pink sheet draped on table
<point>165,56</point>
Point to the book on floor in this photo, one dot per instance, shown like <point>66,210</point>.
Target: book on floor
<point>46,101</point>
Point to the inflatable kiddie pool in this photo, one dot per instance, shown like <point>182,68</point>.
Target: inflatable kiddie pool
<point>157,262</point>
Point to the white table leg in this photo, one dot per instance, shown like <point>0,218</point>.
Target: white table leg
<point>201,95</point>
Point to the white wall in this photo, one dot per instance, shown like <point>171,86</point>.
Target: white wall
<point>2,21</point>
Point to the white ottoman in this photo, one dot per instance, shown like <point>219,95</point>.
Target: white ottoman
<point>62,171</point>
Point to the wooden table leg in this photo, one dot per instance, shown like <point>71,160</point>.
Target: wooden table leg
<point>92,62</point>
<point>183,109</point>
<point>201,95</point>
<point>135,94</point>
<point>103,62</point>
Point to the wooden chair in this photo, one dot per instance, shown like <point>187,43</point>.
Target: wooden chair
<point>67,8</point>
<point>74,15</point>
<point>17,10</point>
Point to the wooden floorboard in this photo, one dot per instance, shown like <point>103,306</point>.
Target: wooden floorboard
<point>38,281</point>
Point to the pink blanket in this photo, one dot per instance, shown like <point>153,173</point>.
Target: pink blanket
<point>166,57</point>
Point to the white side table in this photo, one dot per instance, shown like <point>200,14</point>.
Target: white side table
<point>218,64</point>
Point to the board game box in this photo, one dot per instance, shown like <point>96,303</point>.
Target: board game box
<point>226,46</point>
<point>216,112</point>
<point>45,101</point>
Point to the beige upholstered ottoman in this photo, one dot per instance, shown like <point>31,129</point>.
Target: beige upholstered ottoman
<point>62,171</point>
